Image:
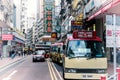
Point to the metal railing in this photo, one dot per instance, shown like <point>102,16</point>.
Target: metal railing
<point>112,77</point>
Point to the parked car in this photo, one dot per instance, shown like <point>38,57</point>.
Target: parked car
<point>39,55</point>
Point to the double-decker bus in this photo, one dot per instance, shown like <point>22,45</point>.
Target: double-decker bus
<point>44,47</point>
<point>84,57</point>
<point>56,52</point>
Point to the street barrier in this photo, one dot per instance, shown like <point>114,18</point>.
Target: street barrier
<point>103,77</point>
<point>118,73</point>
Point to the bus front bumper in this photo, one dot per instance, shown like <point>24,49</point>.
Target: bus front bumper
<point>89,76</point>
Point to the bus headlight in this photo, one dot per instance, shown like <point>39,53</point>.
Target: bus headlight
<point>70,70</point>
<point>101,71</point>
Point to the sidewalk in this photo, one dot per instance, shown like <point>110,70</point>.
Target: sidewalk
<point>6,61</point>
<point>110,69</point>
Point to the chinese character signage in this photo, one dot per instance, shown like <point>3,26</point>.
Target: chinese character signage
<point>110,39</point>
<point>49,21</point>
<point>110,36</point>
<point>7,37</point>
<point>48,14</point>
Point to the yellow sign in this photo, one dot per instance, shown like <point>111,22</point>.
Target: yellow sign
<point>53,35</point>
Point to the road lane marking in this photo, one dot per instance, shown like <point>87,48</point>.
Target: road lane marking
<point>9,76</point>
<point>57,72</point>
<point>50,70</point>
<point>12,73</point>
<point>55,78</point>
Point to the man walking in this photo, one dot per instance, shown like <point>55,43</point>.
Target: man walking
<point>0,55</point>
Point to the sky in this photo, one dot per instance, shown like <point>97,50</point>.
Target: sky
<point>32,6</point>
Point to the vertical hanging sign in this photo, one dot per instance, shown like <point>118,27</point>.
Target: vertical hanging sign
<point>48,14</point>
<point>49,20</point>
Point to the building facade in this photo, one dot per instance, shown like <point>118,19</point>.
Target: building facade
<point>92,12</point>
<point>10,36</point>
<point>23,17</point>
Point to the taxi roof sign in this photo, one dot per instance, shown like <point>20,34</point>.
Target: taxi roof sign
<point>84,34</point>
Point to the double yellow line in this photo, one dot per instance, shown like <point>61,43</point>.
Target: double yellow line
<point>52,71</point>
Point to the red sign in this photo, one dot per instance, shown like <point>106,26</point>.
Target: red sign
<point>49,24</point>
<point>7,37</point>
<point>49,18</point>
<point>49,13</point>
<point>84,34</point>
<point>49,29</point>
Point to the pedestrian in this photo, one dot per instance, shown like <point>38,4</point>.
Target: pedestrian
<point>0,55</point>
<point>19,52</point>
<point>118,56</point>
<point>12,54</point>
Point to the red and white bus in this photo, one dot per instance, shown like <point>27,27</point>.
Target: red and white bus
<point>84,57</point>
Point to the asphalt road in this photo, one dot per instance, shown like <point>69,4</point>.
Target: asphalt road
<point>27,70</point>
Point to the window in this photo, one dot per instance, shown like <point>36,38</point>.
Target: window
<point>81,48</point>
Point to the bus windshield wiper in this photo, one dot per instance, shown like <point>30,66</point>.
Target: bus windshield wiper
<point>74,57</point>
<point>91,57</point>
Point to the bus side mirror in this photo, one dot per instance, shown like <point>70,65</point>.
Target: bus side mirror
<point>64,46</point>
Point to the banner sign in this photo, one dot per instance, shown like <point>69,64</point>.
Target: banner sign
<point>48,15</point>
<point>110,36</point>
<point>76,25</point>
<point>110,39</point>
<point>7,37</point>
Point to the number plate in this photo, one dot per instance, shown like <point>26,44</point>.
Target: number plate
<point>87,76</point>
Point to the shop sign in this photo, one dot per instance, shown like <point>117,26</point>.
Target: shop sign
<point>54,35</point>
<point>7,37</point>
<point>49,20</point>
<point>76,25</point>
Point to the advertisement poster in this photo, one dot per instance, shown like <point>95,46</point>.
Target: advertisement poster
<point>110,39</point>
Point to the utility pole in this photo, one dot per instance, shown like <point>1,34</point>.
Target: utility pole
<point>114,48</point>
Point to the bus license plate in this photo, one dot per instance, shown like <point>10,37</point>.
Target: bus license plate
<point>87,76</point>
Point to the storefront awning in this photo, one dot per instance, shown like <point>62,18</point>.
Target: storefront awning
<point>111,8</point>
